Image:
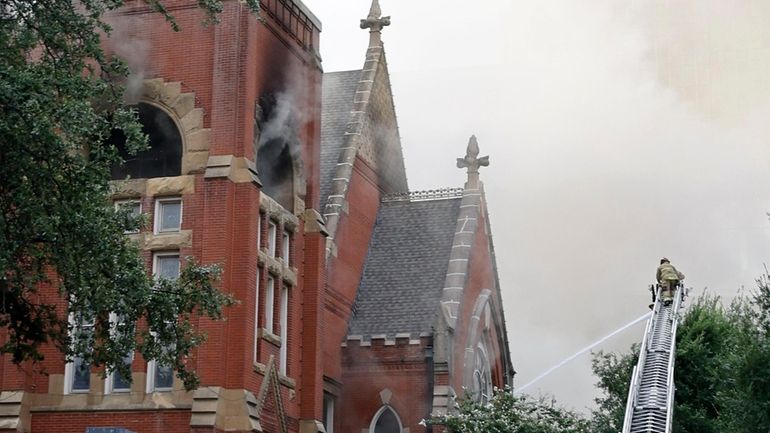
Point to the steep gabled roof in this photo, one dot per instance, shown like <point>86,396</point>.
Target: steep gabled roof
<point>405,268</point>
<point>338,90</point>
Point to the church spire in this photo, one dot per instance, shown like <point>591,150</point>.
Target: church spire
<point>375,22</point>
<point>472,162</point>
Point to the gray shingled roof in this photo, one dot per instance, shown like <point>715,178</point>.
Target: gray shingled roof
<point>338,90</point>
<point>405,269</point>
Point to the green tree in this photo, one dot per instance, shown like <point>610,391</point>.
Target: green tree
<point>60,98</point>
<point>722,369</point>
<point>746,395</point>
<point>507,413</point>
<point>614,373</point>
<point>706,336</point>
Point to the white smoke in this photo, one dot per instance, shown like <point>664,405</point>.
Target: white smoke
<point>127,42</point>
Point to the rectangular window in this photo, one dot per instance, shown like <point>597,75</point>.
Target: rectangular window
<point>117,382</point>
<point>167,265</point>
<point>134,208</point>
<point>284,324</point>
<point>77,372</point>
<point>328,413</point>
<point>269,304</point>
<point>81,376</point>
<point>161,377</point>
<point>164,378</point>
<point>285,247</point>
<point>168,215</point>
<point>272,230</point>
<point>256,317</point>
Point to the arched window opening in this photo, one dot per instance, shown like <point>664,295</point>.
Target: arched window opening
<point>163,158</point>
<point>387,422</point>
<point>482,377</point>
<point>278,143</point>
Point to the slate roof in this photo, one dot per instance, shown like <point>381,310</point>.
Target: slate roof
<point>338,90</point>
<point>405,268</point>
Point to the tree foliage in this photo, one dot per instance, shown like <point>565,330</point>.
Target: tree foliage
<point>507,413</point>
<point>722,371</point>
<point>614,372</point>
<point>60,99</point>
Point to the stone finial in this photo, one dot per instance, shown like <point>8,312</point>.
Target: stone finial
<point>472,162</point>
<point>375,21</point>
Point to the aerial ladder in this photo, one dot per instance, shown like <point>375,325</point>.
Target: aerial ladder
<point>650,404</point>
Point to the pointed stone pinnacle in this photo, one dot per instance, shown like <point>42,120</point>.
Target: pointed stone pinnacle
<point>375,21</point>
<point>472,162</point>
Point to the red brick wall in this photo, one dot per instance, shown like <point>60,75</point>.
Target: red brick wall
<point>227,66</point>
<point>480,277</point>
<point>352,240</point>
<point>158,421</point>
<point>401,368</point>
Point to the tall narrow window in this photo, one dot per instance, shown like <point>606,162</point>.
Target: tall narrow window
<point>277,141</point>
<point>259,232</point>
<point>269,304</point>
<point>328,413</point>
<point>284,323</point>
<point>285,247</point>
<point>77,373</point>
<point>117,382</point>
<point>256,318</point>
<point>168,215</point>
<point>161,377</point>
<point>272,232</point>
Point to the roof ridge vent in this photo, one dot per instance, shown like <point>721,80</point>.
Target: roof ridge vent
<point>425,195</point>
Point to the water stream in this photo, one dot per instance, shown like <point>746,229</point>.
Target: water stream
<point>580,352</point>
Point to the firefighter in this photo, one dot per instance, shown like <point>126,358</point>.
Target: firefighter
<point>668,278</point>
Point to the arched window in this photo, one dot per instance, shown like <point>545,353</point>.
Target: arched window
<point>482,377</point>
<point>276,148</point>
<point>163,158</point>
<point>385,421</point>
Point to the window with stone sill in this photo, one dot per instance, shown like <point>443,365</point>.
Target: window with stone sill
<point>161,377</point>
<point>168,215</point>
<point>115,382</point>
<point>133,208</point>
<point>77,374</point>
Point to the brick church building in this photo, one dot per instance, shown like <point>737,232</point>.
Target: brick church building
<point>363,307</point>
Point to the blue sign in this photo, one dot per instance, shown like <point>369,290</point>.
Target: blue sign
<point>107,430</point>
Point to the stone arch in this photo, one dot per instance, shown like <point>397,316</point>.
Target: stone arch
<point>181,107</point>
<point>386,420</point>
<point>163,158</point>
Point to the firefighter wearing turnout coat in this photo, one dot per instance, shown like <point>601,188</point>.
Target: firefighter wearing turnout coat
<point>668,278</point>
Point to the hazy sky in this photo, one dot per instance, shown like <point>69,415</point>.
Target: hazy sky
<point>618,132</point>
